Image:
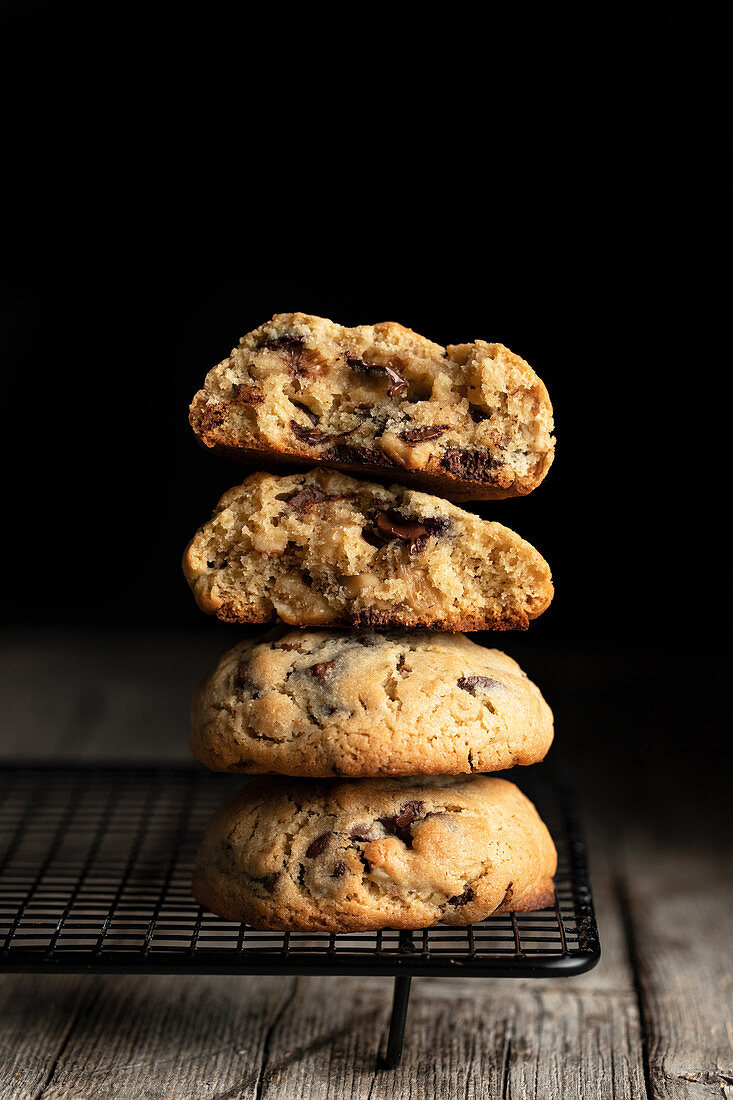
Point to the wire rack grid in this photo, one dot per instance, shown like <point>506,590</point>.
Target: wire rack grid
<point>95,868</point>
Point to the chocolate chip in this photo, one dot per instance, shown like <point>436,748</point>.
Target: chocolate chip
<point>469,683</point>
<point>362,833</point>
<point>317,846</point>
<point>289,646</point>
<point>247,395</point>
<point>297,357</point>
<point>279,342</point>
<point>243,680</point>
<point>468,465</point>
<point>313,417</point>
<point>410,528</point>
<point>345,454</point>
<point>270,881</point>
<point>399,825</point>
<point>410,812</point>
<point>312,436</point>
<point>306,498</point>
<point>321,670</point>
<point>338,869</point>
<point>366,641</point>
<point>414,436</point>
<point>462,899</point>
<point>399,384</point>
<point>477,414</point>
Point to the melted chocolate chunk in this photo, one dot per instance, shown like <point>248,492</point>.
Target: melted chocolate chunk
<point>314,437</point>
<point>399,384</point>
<point>477,414</point>
<point>366,641</point>
<point>297,357</point>
<point>399,825</point>
<point>469,683</point>
<point>243,680</point>
<point>279,342</point>
<point>468,465</point>
<point>463,898</point>
<point>306,498</point>
<point>247,395</point>
<point>414,436</point>
<point>344,453</point>
<point>321,670</point>
<point>339,869</point>
<point>318,845</point>
<point>362,833</point>
<point>313,417</point>
<point>289,646</point>
<point>411,529</point>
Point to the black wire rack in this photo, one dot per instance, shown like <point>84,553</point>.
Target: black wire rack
<point>95,867</point>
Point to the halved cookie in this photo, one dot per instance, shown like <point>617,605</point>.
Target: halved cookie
<point>322,548</point>
<point>470,421</point>
<point>326,703</point>
<point>374,853</point>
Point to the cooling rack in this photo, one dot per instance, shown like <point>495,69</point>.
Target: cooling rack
<point>95,864</point>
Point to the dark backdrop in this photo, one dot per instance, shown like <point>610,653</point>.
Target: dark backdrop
<point>553,182</point>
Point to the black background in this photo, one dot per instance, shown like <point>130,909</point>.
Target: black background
<point>551,181</point>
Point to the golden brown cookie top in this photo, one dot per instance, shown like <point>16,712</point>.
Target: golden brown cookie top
<point>324,703</point>
<point>375,853</point>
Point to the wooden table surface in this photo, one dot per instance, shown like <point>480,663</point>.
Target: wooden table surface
<point>653,1019</point>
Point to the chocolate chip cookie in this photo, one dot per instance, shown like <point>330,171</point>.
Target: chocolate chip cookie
<point>325,703</point>
<point>321,548</point>
<point>470,421</point>
<point>364,854</point>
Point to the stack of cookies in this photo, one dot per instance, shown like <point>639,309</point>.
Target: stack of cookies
<point>379,718</point>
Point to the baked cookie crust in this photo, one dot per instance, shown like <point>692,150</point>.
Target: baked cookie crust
<point>325,703</point>
<point>374,853</point>
<point>470,421</point>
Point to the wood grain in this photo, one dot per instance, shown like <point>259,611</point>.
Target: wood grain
<point>679,921</point>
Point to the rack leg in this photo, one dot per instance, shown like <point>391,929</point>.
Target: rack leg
<point>397,1025</point>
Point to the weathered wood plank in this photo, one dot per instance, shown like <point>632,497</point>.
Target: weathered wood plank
<point>140,1037</point>
<point>37,1015</point>
<point>680,923</point>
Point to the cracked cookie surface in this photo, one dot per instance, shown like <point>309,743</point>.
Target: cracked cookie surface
<point>470,421</point>
<point>321,548</point>
<point>324,703</point>
<point>374,853</point>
